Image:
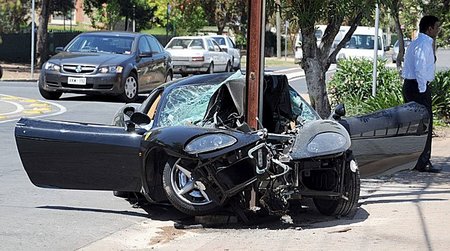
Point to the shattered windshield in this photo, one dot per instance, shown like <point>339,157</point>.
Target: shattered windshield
<point>186,105</point>
<point>300,108</point>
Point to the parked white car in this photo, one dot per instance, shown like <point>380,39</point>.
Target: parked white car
<point>227,44</point>
<point>320,29</point>
<point>197,54</point>
<point>361,44</point>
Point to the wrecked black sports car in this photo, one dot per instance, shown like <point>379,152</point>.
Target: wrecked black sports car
<point>188,143</point>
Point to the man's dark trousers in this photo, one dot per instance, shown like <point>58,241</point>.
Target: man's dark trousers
<point>411,93</point>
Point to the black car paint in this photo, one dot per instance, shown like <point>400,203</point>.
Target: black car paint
<point>388,138</point>
<point>78,156</point>
<point>174,139</point>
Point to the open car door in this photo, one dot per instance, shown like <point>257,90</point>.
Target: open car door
<point>388,138</point>
<point>79,156</point>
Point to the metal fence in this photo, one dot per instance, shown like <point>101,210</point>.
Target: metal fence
<point>16,48</point>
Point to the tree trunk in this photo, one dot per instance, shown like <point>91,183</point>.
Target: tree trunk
<point>314,67</point>
<point>42,34</point>
<point>398,29</point>
<point>126,23</point>
<point>221,18</point>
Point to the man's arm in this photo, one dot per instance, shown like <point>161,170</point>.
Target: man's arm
<point>424,66</point>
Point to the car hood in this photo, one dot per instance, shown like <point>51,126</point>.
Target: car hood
<point>89,58</point>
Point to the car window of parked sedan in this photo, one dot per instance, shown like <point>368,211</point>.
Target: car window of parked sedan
<point>216,46</point>
<point>210,45</point>
<point>231,42</point>
<point>144,47</point>
<point>154,44</point>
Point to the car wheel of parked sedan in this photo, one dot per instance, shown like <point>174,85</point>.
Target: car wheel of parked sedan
<point>168,77</point>
<point>343,206</point>
<point>186,194</point>
<point>50,95</point>
<point>210,69</point>
<point>228,68</point>
<point>130,89</point>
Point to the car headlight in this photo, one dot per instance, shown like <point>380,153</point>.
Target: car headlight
<point>209,142</point>
<point>326,142</point>
<point>52,67</point>
<point>111,69</point>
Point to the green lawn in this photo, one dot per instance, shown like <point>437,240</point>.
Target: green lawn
<point>274,62</point>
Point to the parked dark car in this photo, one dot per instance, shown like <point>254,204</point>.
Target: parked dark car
<point>114,63</point>
<point>188,143</point>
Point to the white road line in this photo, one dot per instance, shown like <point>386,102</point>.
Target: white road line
<point>19,108</point>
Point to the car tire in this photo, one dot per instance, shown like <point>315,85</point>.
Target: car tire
<point>228,68</point>
<point>184,75</point>
<point>194,200</point>
<point>1,72</point>
<point>238,67</point>
<point>130,88</point>
<point>168,77</point>
<point>51,95</point>
<point>341,206</point>
<point>210,69</point>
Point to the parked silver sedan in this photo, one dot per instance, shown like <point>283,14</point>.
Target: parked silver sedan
<point>229,46</point>
<point>197,54</point>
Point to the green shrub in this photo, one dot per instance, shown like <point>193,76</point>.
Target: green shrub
<point>441,96</point>
<point>352,85</point>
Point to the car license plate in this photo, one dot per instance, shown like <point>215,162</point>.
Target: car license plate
<point>76,81</point>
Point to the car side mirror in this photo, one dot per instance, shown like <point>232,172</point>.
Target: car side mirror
<point>145,54</point>
<point>59,49</point>
<point>137,118</point>
<point>339,112</point>
<point>129,110</point>
<point>387,48</point>
<point>225,49</point>
<point>140,118</point>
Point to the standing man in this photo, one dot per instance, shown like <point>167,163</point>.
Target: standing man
<point>418,72</point>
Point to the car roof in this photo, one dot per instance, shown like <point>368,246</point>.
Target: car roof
<point>112,33</point>
<point>189,37</point>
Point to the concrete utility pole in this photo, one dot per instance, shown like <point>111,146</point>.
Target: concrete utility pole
<point>278,20</point>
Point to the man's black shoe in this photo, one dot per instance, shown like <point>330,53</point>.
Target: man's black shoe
<point>428,168</point>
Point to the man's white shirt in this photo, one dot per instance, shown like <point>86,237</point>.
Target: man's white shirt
<point>420,61</point>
